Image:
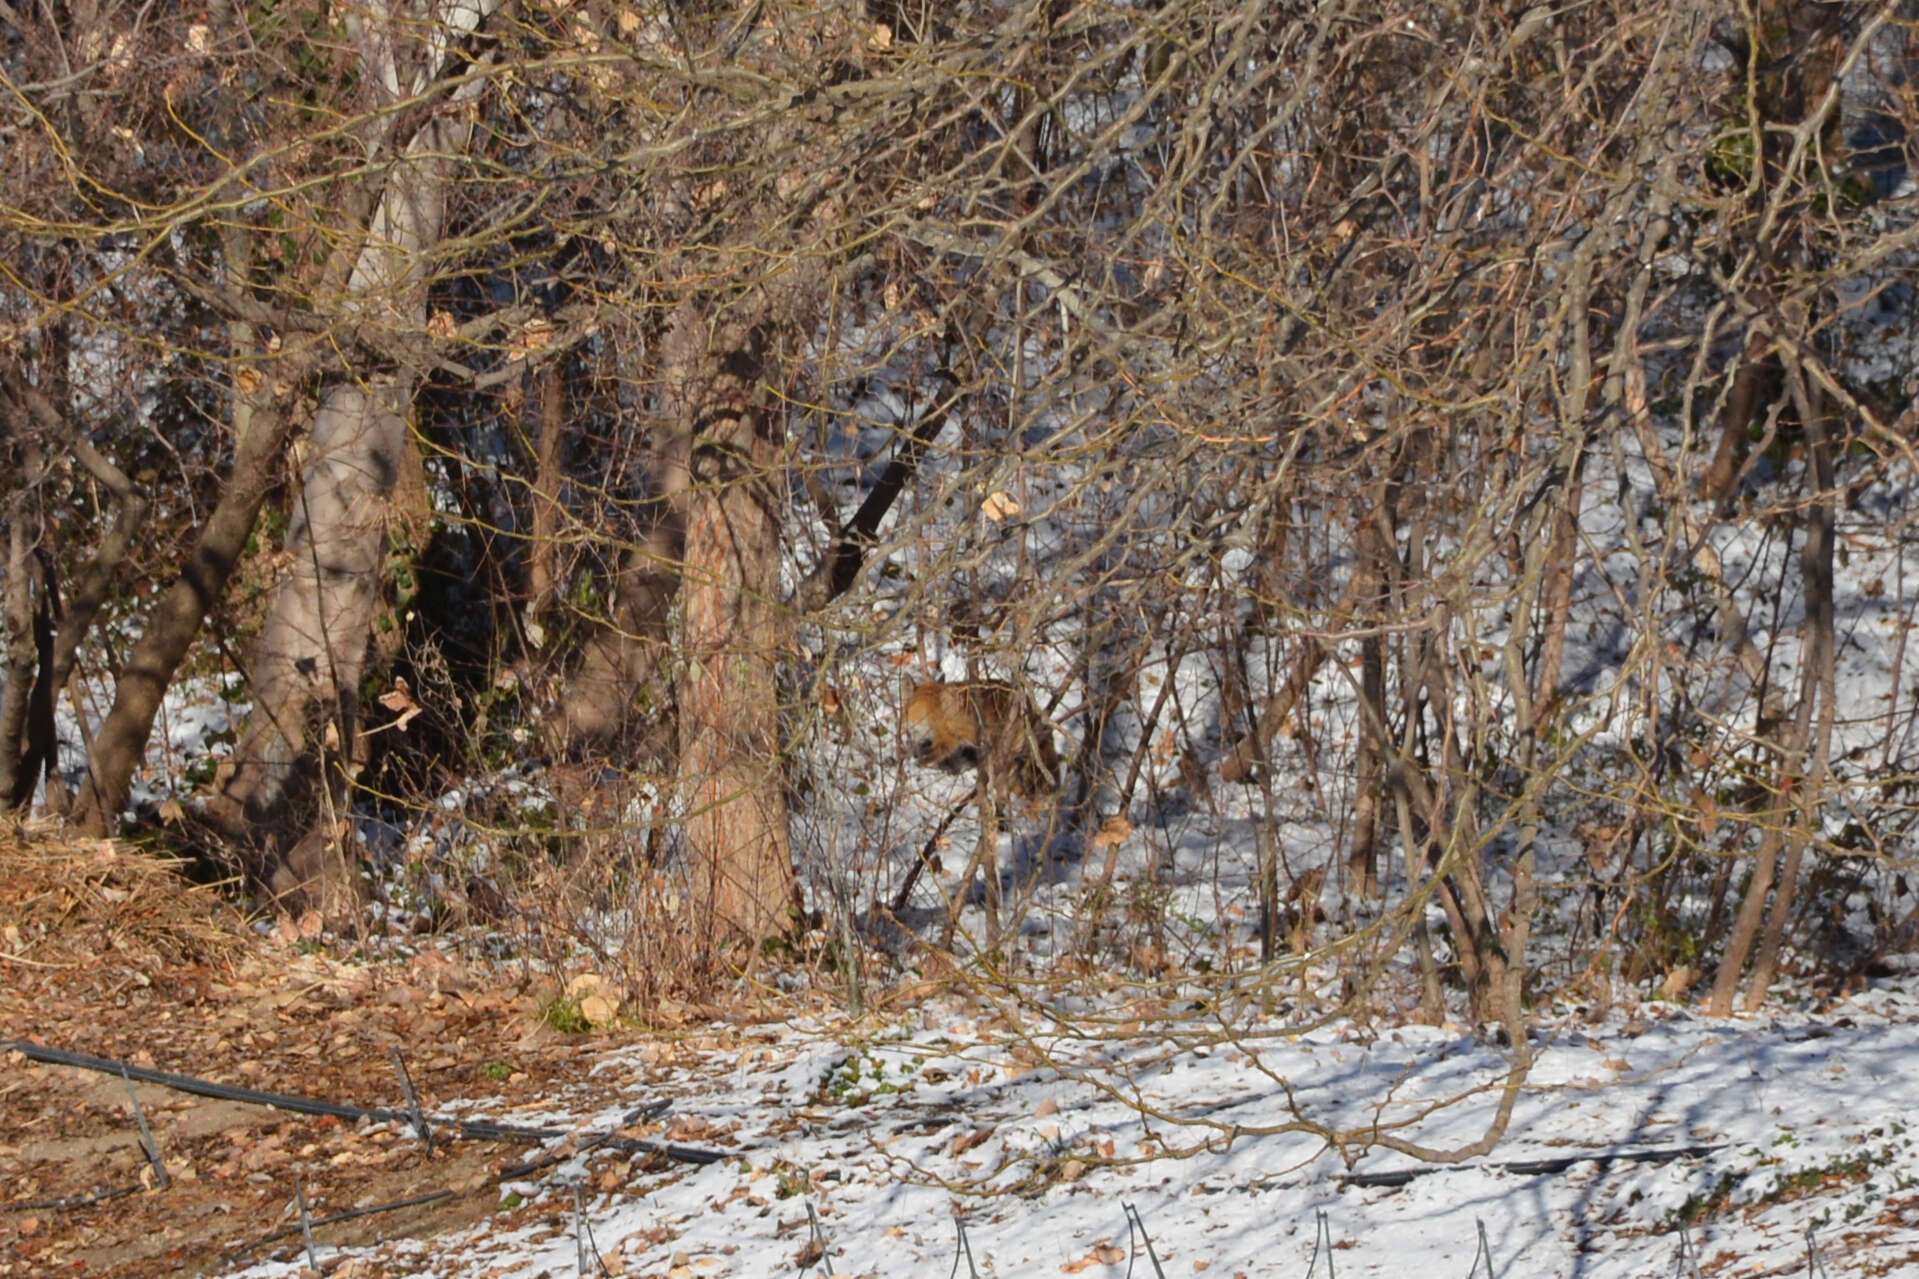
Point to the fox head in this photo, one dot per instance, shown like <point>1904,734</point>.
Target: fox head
<point>939,726</point>
<point>957,727</point>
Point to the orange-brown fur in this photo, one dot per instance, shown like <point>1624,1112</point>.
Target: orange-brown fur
<point>945,723</point>
<point>946,726</point>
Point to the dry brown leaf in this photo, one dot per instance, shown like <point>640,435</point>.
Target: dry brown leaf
<point>599,1010</point>
<point>1102,1255</point>
<point>1708,812</point>
<point>998,507</point>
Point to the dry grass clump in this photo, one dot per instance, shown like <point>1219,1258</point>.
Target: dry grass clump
<point>67,902</point>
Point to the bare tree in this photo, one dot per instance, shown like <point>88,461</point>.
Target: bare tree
<point>307,670</point>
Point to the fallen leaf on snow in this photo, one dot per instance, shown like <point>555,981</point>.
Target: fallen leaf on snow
<point>1102,1255</point>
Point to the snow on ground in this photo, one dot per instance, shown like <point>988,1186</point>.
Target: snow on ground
<point>1039,1136</point>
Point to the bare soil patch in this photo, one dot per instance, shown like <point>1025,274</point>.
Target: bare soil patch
<point>106,951</point>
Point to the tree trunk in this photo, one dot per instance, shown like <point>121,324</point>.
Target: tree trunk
<point>42,748</point>
<point>542,557</point>
<point>58,630</point>
<point>1816,569</point>
<point>608,691</point>
<point>313,647</point>
<point>122,740</point>
<point>21,658</point>
<point>733,630</point>
<point>1375,547</point>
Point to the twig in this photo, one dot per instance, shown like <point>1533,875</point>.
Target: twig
<point>962,1249</point>
<point>652,1110</point>
<point>1687,1266</point>
<point>68,1202</point>
<point>825,1257</point>
<point>583,1245</point>
<point>1815,1264</point>
<point>905,891</point>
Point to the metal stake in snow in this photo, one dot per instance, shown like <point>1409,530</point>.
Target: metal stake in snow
<point>1323,1242</point>
<point>583,1243</point>
<point>962,1249</point>
<point>1485,1250</point>
<point>819,1241</point>
<point>1815,1264</point>
<point>1134,1219</point>
<point>1687,1266</point>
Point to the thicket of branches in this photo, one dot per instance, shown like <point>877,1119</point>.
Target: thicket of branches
<point>1414,453</point>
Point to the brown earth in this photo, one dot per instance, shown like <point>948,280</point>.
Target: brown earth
<point>106,951</point>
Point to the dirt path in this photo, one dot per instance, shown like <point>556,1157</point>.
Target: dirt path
<point>98,956</point>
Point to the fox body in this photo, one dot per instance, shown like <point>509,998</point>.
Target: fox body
<point>985,724</point>
<point>993,727</point>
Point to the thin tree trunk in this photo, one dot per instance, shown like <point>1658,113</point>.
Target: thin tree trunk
<point>733,631</point>
<point>39,757</point>
<point>70,624</point>
<point>96,581</point>
<point>606,694</point>
<point>21,658</point>
<point>1736,416</point>
<point>1775,819</point>
<point>1375,546</point>
<point>121,742</point>
<point>1253,749</point>
<point>1362,859</point>
<point>544,553</point>
<point>841,566</point>
<point>1794,61</point>
<point>1816,569</point>
<point>1752,907</point>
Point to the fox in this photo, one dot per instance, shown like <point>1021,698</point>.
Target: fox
<point>946,723</point>
<point>995,728</point>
